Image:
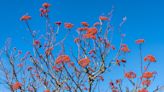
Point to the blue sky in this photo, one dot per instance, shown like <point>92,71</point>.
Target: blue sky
<point>144,20</point>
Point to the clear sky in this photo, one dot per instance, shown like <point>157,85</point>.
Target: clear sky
<point>145,19</point>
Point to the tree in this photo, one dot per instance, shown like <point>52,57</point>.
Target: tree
<point>73,69</point>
